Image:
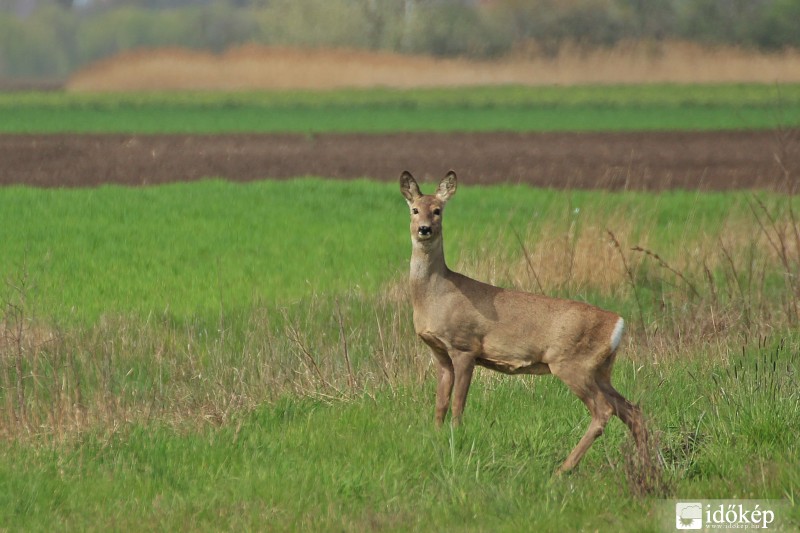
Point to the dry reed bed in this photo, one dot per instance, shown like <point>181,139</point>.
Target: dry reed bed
<point>256,67</point>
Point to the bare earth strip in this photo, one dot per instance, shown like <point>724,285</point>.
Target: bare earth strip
<point>647,161</point>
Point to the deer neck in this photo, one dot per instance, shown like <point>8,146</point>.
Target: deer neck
<point>427,264</point>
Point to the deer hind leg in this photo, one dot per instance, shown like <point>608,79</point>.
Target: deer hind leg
<point>630,414</point>
<point>584,386</point>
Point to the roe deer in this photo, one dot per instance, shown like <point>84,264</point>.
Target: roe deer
<point>466,323</point>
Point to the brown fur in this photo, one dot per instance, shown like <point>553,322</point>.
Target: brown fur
<point>466,322</point>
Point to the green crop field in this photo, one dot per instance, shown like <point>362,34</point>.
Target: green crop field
<point>591,108</point>
<point>224,356</point>
<point>193,250</point>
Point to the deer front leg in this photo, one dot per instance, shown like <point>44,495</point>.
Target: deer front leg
<point>463,367</point>
<point>443,390</point>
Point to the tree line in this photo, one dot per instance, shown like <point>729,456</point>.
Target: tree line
<point>57,36</point>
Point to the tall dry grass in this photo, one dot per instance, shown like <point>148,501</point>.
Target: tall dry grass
<point>712,288</point>
<point>255,67</point>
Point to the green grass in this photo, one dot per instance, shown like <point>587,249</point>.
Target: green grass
<point>211,355</point>
<point>195,250</point>
<point>377,462</point>
<point>585,108</point>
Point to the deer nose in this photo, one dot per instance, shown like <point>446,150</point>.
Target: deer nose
<point>424,230</point>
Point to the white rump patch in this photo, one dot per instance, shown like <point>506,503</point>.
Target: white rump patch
<point>616,335</point>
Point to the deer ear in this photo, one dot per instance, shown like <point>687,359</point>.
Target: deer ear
<point>409,187</point>
<point>447,187</point>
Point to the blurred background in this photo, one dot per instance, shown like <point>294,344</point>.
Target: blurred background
<point>48,41</point>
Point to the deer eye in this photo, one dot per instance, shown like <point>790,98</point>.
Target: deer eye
<point>437,212</point>
<point>415,211</point>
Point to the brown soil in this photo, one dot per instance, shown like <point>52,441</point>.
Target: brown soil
<point>650,161</point>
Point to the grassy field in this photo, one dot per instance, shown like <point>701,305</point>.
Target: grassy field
<point>214,355</point>
<point>171,364</point>
<point>195,250</point>
<point>587,108</point>
<point>374,462</point>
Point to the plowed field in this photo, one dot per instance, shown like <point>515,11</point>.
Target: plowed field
<point>645,161</point>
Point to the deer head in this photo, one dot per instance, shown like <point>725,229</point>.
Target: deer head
<point>427,210</point>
